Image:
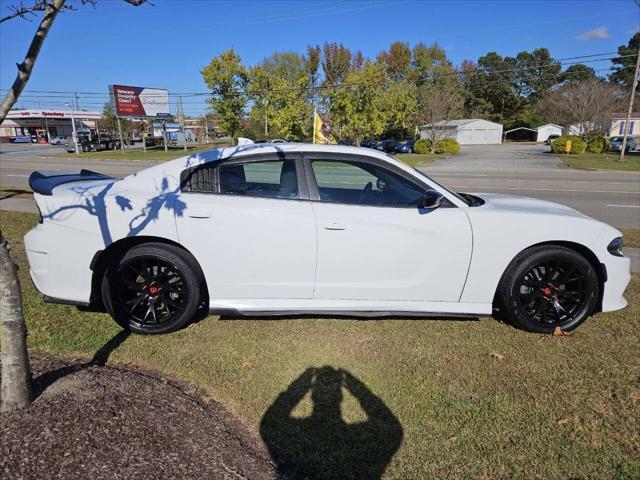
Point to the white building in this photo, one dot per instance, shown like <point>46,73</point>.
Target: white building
<point>24,126</point>
<point>548,129</point>
<point>618,121</point>
<point>467,131</point>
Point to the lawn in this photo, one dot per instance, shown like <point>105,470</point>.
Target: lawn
<point>458,399</point>
<point>139,154</point>
<point>631,237</point>
<point>418,159</point>
<point>603,161</point>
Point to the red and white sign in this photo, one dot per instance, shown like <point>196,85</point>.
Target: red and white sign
<point>140,101</point>
<point>78,115</point>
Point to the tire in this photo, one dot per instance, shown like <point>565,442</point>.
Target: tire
<point>547,287</point>
<point>86,148</point>
<point>161,283</point>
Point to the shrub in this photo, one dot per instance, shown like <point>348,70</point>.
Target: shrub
<point>421,146</point>
<point>597,145</point>
<point>578,145</point>
<point>447,145</point>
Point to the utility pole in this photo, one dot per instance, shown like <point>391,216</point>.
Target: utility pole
<point>636,76</point>
<point>266,126</point>
<point>181,116</point>
<point>77,103</point>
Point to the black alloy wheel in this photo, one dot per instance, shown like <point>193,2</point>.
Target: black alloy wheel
<point>548,287</point>
<point>154,288</point>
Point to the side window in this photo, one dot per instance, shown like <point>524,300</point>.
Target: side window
<point>270,179</point>
<point>364,184</point>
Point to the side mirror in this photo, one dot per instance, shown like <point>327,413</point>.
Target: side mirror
<point>431,199</point>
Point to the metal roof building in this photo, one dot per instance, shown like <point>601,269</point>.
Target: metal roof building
<point>467,131</point>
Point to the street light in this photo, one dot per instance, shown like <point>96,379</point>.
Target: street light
<point>74,137</point>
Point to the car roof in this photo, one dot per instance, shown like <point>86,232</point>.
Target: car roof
<point>288,147</point>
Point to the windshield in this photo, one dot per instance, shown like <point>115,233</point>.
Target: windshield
<point>455,194</point>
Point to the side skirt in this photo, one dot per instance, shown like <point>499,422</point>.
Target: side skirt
<point>351,308</point>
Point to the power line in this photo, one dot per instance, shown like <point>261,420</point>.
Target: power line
<point>320,88</point>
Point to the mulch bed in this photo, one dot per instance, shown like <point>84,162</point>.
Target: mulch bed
<point>92,421</point>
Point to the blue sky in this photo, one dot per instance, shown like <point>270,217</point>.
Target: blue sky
<point>167,44</point>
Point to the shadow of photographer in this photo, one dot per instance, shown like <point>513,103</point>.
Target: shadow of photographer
<point>323,445</point>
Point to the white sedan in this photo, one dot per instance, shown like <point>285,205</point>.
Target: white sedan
<point>297,228</point>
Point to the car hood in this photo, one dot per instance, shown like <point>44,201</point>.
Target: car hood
<point>515,203</point>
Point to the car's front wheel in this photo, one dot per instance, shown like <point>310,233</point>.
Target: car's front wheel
<point>547,287</point>
<point>153,288</point>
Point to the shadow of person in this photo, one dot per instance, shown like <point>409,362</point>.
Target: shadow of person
<point>323,444</point>
<point>45,380</point>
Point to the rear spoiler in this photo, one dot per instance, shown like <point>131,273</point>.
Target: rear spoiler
<point>44,182</point>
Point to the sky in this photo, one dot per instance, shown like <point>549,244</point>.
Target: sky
<point>166,45</point>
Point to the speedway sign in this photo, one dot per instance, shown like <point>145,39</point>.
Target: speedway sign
<point>139,101</point>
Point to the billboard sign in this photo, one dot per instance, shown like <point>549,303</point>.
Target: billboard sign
<point>140,101</point>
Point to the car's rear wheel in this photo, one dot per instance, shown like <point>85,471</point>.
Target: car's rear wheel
<point>547,287</point>
<point>153,288</point>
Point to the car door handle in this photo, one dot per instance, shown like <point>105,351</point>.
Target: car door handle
<point>334,226</point>
<point>199,214</point>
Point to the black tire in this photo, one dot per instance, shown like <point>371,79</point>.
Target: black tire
<point>547,287</point>
<point>86,148</point>
<point>162,283</point>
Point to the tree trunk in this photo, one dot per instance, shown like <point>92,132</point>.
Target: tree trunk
<point>15,391</point>
<point>26,67</point>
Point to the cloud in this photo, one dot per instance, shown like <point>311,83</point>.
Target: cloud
<point>595,34</point>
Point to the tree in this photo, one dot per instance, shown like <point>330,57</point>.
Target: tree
<point>358,108</point>
<point>578,73</point>
<point>16,374</point>
<point>279,87</point>
<point>397,60</point>
<point>583,104</point>
<point>494,83</point>
<point>475,105</point>
<point>50,10</point>
<point>227,80</point>
<point>437,104</point>
<point>336,60</point>
<point>624,65</point>
<point>535,73</point>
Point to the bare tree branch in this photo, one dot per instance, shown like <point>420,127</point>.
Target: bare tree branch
<point>23,11</point>
<point>584,105</point>
<point>26,67</point>
<point>51,8</point>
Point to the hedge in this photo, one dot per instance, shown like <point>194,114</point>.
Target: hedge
<point>447,145</point>
<point>597,145</point>
<point>578,145</point>
<point>421,146</point>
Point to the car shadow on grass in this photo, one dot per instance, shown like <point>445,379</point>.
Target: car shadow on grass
<point>44,381</point>
<point>323,444</point>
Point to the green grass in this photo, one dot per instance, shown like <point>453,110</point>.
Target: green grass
<point>603,161</point>
<point>631,237</point>
<point>418,159</point>
<point>475,399</point>
<point>139,154</point>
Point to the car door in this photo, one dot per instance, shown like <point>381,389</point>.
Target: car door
<point>374,243</point>
<point>250,225</point>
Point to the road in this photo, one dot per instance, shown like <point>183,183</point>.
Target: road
<point>528,170</point>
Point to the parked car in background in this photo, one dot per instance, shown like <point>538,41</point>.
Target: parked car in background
<point>616,144</point>
<point>551,138</point>
<point>405,147</point>
<point>58,140</point>
<point>387,146</point>
<point>278,229</point>
<point>368,143</point>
